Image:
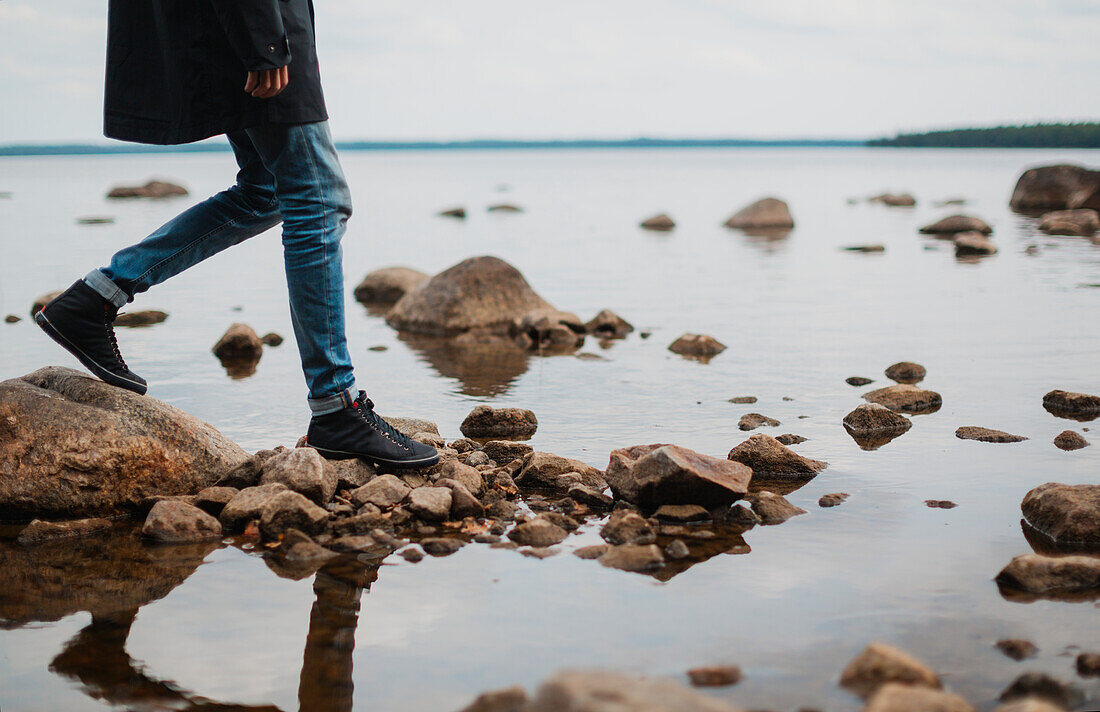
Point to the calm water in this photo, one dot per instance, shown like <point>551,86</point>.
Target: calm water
<point>798,315</point>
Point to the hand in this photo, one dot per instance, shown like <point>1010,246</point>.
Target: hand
<point>267,83</point>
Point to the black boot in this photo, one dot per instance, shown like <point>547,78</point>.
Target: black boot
<point>357,431</point>
<point>83,323</point>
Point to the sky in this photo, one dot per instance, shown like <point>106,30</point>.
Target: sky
<point>447,69</point>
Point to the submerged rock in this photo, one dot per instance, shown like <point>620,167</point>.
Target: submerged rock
<point>767,457</point>
<point>1066,404</point>
<point>608,325</point>
<point>896,697</point>
<point>660,222</point>
<point>699,345</point>
<point>73,446</point>
<point>906,372</point>
<point>600,691</point>
<point>40,532</point>
<point>904,398</point>
<point>832,500</point>
<point>1070,440</point>
<point>764,214</point>
<point>955,224</point>
<point>939,504</point>
<point>973,244</point>
<point>752,421</point>
<point>987,435</point>
<point>388,285</point>
<point>880,664</point>
<point>790,439</point>
<point>743,399</point>
<point>1081,223</point>
<point>152,189</point>
<point>653,475</point>
<point>1057,187</point>
<point>488,422</point>
<point>1059,577</point>
<point>147,317</point>
<point>715,676</point>
<point>478,293</point>
<point>772,508</point>
<point>1068,514</point>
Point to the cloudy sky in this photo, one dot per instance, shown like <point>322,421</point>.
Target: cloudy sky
<point>445,69</point>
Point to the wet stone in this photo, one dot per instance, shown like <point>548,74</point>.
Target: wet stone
<point>503,451</point>
<point>412,554</point>
<point>590,497</point>
<point>858,381</point>
<point>896,697</point>
<point>539,552</point>
<point>1017,649</point>
<point>301,470</point>
<point>538,532</point>
<point>880,664</point>
<point>633,557</point>
<point>752,421</point>
<point>247,505</point>
<point>291,510</point>
<point>463,473</point>
<point>767,457</point>
<point>212,500</point>
<point>1088,664</point>
<point>239,343</point>
<point>609,325</point>
<point>1069,440</point>
<point>179,522</point>
<point>627,528</point>
<point>1058,577</point>
<point>832,500</point>
<point>743,399</point>
<point>40,532</point>
<point>939,504</point>
<point>1069,404</point>
<point>430,503</point>
<point>906,372</point>
<point>440,546</point>
<point>677,549</point>
<point>697,345</point>
<point>1069,515</point>
<point>904,398</point>
<point>987,435</point>
<point>655,475</point>
<point>772,508</point>
<point>790,439</point>
<point>591,552</point>
<point>543,470</point>
<point>682,513</point>
<point>488,422</point>
<point>660,223</point>
<point>1044,687</point>
<point>383,491</point>
<point>463,503</point>
<point>715,676</point>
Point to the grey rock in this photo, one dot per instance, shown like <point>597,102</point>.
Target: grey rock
<point>178,522</point>
<point>1059,577</point>
<point>652,475</point>
<point>301,470</point>
<point>247,505</point>
<point>430,503</point>
<point>384,491</point>
<point>470,477</point>
<point>291,510</point>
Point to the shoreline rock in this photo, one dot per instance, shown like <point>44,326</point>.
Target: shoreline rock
<point>763,214</point>
<point>388,285</point>
<point>767,457</point>
<point>655,475</point>
<point>1069,515</point>
<point>904,398</point>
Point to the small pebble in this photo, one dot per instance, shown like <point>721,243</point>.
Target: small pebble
<point>940,504</point>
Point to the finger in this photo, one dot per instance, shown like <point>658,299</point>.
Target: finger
<point>250,82</point>
<point>280,81</point>
<point>265,85</point>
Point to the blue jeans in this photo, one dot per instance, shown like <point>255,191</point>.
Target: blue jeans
<point>288,173</point>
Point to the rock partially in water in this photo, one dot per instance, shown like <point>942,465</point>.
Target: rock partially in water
<point>544,470</point>
<point>388,285</point>
<point>858,380</point>
<point>764,214</point>
<point>600,691</point>
<point>653,475</point>
<point>1076,406</point>
<point>608,325</point>
<point>767,458</point>
<point>939,504</point>
<point>697,345</point>
<point>152,189</point>
<point>591,552</point>
<point>512,699</point>
<point>548,331</point>
<point>73,446</point>
<point>1057,187</point>
<point>430,503</point>
<point>894,200</point>
<point>441,546</point>
<point>301,470</point>
<point>290,510</point>
<point>146,317</point>
<point>459,213</point>
<point>872,425</point>
<point>987,435</point>
<point>1067,514</point>
<point>864,248</point>
<point>636,558</point>
<point>247,505</point>
<point>1031,576</point>
<point>834,499</point>
<point>487,422</point>
<point>715,676</point>
<point>682,513</point>
<point>478,293</point>
<point>177,522</point>
<point>973,244</point>
<point>1017,648</point>
<point>880,664</point>
<point>504,208</point>
<point>1037,685</point>
<point>40,532</point>
<point>239,342</point>
<point>271,339</point>
<point>1080,223</point>
<point>661,223</point>
<point>905,398</point>
<point>1088,664</point>
<point>538,532</point>
<point>627,528</point>
<point>772,508</point>
<point>896,697</point>
<point>906,372</point>
<point>752,421</point>
<point>1069,440</point>
<point>790,439</point>
<point>12,319</point>
<point>743,399</point>
<point>590,497</point>
<point>954,224</point>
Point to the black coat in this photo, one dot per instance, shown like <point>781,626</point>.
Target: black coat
<point>176,68</point>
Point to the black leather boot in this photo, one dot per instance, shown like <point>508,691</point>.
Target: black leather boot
<point>82,321</point>
<point>357,431</point>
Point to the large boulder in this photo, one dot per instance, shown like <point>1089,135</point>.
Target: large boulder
<point>1057,187</point>
<point>599,691</point>
<point>653,475</point>
<point>769,458</point>
<point>477,293</point>
<point>1083,223</point>
<point>388,285</point>
<point>764,214</point>
<point>1068,514</point>
<point>73,446</point>
<point>953,224</point>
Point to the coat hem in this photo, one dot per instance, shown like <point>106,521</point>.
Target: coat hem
<point>162,133</point>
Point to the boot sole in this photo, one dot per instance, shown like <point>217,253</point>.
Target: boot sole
<point>89,363</point>
<point>405,464</point>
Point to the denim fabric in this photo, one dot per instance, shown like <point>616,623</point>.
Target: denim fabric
<point>288,173</point>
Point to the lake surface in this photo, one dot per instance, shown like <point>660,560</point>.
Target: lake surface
<point>798,314</point>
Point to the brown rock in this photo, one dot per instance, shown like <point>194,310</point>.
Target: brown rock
<point>1069,577</point>
<point>764,214</point>
<point>504,208</point>
<point>906,372</point>
<point>905,698</point>
<point>1082,223</point>
<point>608,325</point>
<point>864,248</point>
<point>987,435</point>
<point>772,508</point>
<point>147,317</point>
<point>653,475</point>
<point>412,554</point>
<point>247,505</point>
<point>178,522</point>
<point>600,691</point>
<point>440,546</point>
<point>872,419</point>
<point>488,422</point>
<point>858,381</point>
<point>1036,685</point>
<point>290,510</point>
<point>384,491</point>
<point>880,664</point>
<point>660,223</point>
<point>1067,514</point>
<point>752,421</point>
<point>743,399</point>
<point>1057,187</point>
<point>1088,664</point>
<point>212,500</point>
<point>388,285</point>
<point>677,549</point>
<point>767,457</point>
<point>636,558</point>
<point>832,500</point>
<point>548,329</point>
<point>152,189</point>
<point>511,699</point>
<point>470,477</point>
<point>591,552</point>
<point>790,439</point>
<point>955,224</point>
<point>73,446</point>
<point>239,343</point>
<point>939,504</point>
<point>538,532</point>
<point>271,339</point>
<point>894,200</point>
<point>301,470</point>
<point>1017,649</point>
<point>40,532</point>
<point>463,503</point>
<point>13,319</point>
<point>1070,440</point>
<point>1029,704</point>
<point>1067,404</point>
<point>627,528</point>
<point>430,503</point>
<point>42,301</point>
<point>459,213</point>
<point>478,293</point>
<point>543,470</point>
<point>905,398</point>
<point>715,676</point>
<point>973,244</point>
<point>589,497</point>
<point>699,345</point>
<point>682,513</point>
<point>504,451</point>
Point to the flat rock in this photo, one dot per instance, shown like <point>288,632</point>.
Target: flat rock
<point>504,208</point>
<point>411,426</point>
<point>1067,514</point>
<point>858,380</point>
<point>953,224</point>
<point>906,372</point>
<point>627,528</point>
<point>1081,223</point>
<point>833,499</point>
<point>767,457</point>
<point>73,446</point>
<point>601,691</point>
<point>608,325</point>
<point>715,676</point>
<point>430,503</point>
<point>146,317</point>
<point>752,421</point>
<point>896,697</point>
<point>388,285</point>
<point>660,222</point>
<point>894,200</point>
<point>743,399</point>
<point>880,664</point>
<point>590,497</point>
<point>591,552</point>
<point>538,532</point>
<point>764,214</point>
<point>868,249</point>
<point>699,345</point>
<point>487,422</point>
<point>1070,440</point>
<point>1017,649</point>
<point>682,513</point>
<point>1069,404</point>
<point>987,435</point>
<point>271,339</point>
<point>290,510</point>
<point>478,293</point>
<point>905,398</point>
<point>637,558</point>
<point>973,244</point>
<point>654,475</point>
<point>152,189</point>
<point>1069,577</point>
<point>301,470</point>
<point>772,508</point>
<point>459,213</point>
<point>939,504</point>
<point>239,343</point>
<point>40,532</point>
<point>1057,187</point>
<point>384,491</point>
<point>247,505</point>
<point>544,470</point>
<point>178,522</point>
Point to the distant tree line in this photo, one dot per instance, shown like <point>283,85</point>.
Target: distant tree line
<point>1075,135</point>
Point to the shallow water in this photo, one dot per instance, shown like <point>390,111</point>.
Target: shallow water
<point>798,314</point>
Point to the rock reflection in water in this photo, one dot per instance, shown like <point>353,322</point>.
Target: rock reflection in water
<point>873,441</point>
<point>483,367</point>
<point>239,368</point>
<point>769,240</point>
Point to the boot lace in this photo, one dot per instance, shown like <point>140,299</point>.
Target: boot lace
<point>365,407</point>
<point>109,326</point>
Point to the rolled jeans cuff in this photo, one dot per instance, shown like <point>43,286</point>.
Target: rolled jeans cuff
<point>331,404</point>
<point>107,289</point>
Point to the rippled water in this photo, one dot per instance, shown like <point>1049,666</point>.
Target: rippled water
<point>799,316</point>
